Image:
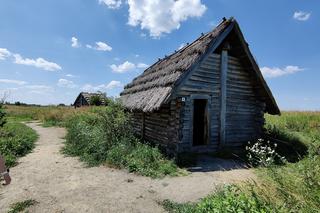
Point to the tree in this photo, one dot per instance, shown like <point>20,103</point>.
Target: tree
<point>96,100</point>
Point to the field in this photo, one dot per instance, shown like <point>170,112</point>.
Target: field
<point>101,136</point>
<point>49,115</point>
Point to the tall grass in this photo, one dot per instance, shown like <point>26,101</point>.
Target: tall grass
<point>105,137</point>
<point>48,115</point>
<point>16,140</point>
<point>293,187</point>
<point>297,185</point>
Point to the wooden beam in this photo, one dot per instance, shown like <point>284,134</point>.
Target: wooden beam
<point>223,95</point>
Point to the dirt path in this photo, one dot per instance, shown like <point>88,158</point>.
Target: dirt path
<point>63,184</point>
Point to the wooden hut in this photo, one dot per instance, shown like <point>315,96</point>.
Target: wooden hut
<point>207,95</point>
<point>84,99</point>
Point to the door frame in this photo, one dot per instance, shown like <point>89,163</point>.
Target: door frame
<point>208,110</point>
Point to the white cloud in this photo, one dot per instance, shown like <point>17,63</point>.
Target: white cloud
<point>142,65</point>
<point>277,72</point>
<point>163,16</point>
<point>111,85</point>
<point>122,68</point>
<point>114,84</point>
<point>112,4</point>
<point>66,83</point>
<point>101,46</point>
<point>39,63</point>
<point>301,15</point>
<point>127,66</point>
<point>70,75</point>
<point>75,43</point>
<point>38,86</point>
<point>4,53</point>
<point>91,88</point>
<point>182,46</point>
<point>9,81</point>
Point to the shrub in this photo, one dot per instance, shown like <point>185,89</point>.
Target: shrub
<point>2,116</point>
<point>96,100</point>
<point>16,141</point>
<point>140,158</point>
<point>105,136</point>
<point>263,154</point>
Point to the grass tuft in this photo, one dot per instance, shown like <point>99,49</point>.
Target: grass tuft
<point>21,206</point>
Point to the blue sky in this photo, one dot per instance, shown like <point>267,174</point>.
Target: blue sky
<point>51,50</point>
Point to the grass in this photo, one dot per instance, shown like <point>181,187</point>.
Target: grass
<point>48,115</point>
<point>230,198</point>
<point>21,206</point>
<point>105,137</point>
<point>16,141</point>
<point>294,187</point>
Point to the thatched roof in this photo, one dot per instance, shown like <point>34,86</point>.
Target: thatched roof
<point>88,95</point>
<point>154,86</point>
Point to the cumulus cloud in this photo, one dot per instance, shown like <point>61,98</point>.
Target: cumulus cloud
<point>66,83</point>
<point>112,4</point>
<point>4,53</point>
<point>114,84</point>
<point>9,81</point>
<point>277,72</point>
<point>75,43</point>
<point>109,86</point>
<point>301,15</point>
<point>122,68</point>
<point>127,66</point>
<point>142,65</point>
<point>39,63</point>
<point>101,46</point>
<point>163,16</point>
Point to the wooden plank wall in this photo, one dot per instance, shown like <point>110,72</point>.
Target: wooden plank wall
<point>204,81</point>
<point>161,127</point>
<point>172,125</point>
<point>244,117</point>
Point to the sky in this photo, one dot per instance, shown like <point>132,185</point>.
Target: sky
<point>51,50</point>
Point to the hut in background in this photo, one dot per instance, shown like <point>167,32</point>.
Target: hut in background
<point>86,98</point>
<point>208,95</point>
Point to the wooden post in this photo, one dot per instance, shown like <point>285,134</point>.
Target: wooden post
<point>223,94</point>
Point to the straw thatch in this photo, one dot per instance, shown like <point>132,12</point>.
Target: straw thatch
<point>148,91</point>
<point>87,97</point>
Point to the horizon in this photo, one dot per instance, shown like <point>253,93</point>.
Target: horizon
<point>48,59</point>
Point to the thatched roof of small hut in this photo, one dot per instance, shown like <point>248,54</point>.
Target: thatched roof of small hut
<point>88,95</point>
<point>153,87</point>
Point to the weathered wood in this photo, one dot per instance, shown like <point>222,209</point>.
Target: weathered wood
<point>223,96</point>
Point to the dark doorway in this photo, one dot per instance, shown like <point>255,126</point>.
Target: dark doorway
<point>200,122</point>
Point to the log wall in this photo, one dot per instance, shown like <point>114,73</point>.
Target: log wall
<point>172,125</point>
<point>245,109</point>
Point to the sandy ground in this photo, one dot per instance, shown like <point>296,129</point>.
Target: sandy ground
<point>63,184</point>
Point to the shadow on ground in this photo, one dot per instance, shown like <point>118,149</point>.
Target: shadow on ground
<point>208,163</point>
